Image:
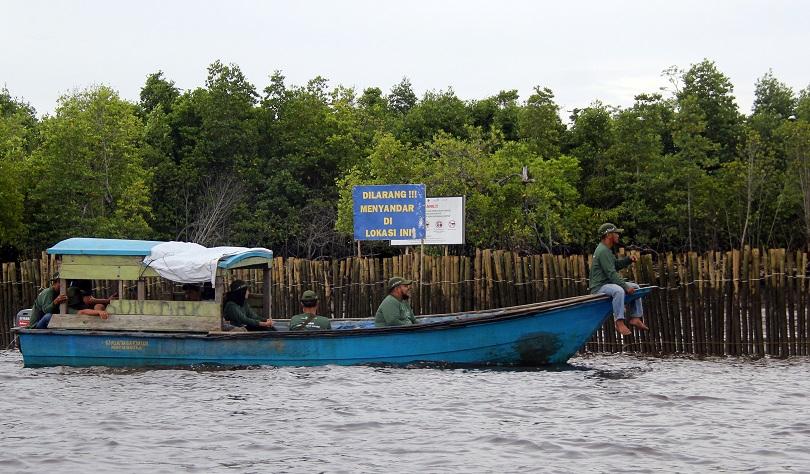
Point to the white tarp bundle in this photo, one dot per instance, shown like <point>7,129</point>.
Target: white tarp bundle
<point>186,262</point>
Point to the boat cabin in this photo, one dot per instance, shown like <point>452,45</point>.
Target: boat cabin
<point>130,264</point>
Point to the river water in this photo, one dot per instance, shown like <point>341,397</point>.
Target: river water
<point>598,414</point>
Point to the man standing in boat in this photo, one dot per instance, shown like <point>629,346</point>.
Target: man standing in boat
<point>395,309</point>
<point>309,319</point>
<point>605,279</point>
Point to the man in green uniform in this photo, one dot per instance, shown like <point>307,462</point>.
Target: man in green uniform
<point>309,319</point>
<point>238,312</point>
<point>605,279</point>
<point>395,309</point>
<point>47,303</point>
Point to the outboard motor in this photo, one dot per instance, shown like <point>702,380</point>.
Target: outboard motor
<point>22,318</point>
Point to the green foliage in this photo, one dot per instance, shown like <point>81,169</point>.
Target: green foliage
<point>158,92</point>
<point>540,125</point>
<point>17,139</point>
<point>437,111</point>
<point>803,105</point>
<point>402,98</point>
<point>709,92</point>
<point>229,163</point>
<point>497,114</point>
<point>771,96</point>
<point>502,210</point>
<point>88,177</point>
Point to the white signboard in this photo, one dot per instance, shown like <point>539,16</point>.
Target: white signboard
<point>444,222</point>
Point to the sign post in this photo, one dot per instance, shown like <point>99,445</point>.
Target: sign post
<point>385,212</point>
<point>444,222</point>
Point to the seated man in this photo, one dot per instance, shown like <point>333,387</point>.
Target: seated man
<point>309,319</point>
<point>86,289</point>
<point>46,304</point>
<point>605,279</point>
<point>395,309</point>
<point>238,312</point>
<point>76,304</point>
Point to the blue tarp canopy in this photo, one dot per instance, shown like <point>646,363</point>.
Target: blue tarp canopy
<point>89,246</point>
<point>139,248</point>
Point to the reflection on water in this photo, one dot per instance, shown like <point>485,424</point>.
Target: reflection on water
<point>602,413</point>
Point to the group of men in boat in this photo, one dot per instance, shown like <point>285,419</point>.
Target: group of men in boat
<point>394,310</point>
<point>78,297</point>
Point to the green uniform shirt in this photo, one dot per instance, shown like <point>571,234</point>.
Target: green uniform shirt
<point>393,312</point>
<point>605,268</point>
<point>43,305</point>
<point>241,315</point>
<point>318,322</point>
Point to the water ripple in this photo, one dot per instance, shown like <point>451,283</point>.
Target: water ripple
<point>598,414</point>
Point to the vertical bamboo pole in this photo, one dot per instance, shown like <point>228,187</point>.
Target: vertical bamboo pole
<point>768,302</point>
<point>790,308</point>
<point>489,297</point>
<point>756,303</point>
<point>804,340</point>
<point>782,322</point>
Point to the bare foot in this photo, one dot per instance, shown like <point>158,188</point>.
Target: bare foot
<point>622,328</point>
<point>637,322</point>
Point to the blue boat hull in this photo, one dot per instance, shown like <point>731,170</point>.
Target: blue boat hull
<point>530,338</point>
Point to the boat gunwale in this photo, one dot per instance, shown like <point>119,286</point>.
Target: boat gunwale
<point>501,314</point>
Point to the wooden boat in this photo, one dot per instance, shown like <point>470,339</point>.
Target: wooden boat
<point>143,333</point>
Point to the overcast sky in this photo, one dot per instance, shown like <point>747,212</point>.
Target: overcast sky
<point>582,50</point>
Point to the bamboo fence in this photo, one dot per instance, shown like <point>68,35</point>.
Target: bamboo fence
<point>751,303</point>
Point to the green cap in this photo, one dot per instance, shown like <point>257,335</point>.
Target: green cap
<point>396,281</point>
<point>309,296</point>
<point>608,228</point>
<point>237,285</point>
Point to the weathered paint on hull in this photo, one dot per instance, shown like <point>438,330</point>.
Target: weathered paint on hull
<point>546,337</point>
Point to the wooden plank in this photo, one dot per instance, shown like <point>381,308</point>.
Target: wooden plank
<point>165,308</point>
<point>136,322</point>
<point>102,272</point>
<point>267,292</point>
<point>63,283</point>
<point>103,260</point>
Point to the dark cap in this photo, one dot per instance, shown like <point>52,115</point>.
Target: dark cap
<point>608,228</point>
<point>396,281</point>
<point>54,277</point>
<point>309,296</point>
<point>237,285</point>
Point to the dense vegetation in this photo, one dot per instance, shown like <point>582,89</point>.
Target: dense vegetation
<point>226,163</point>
